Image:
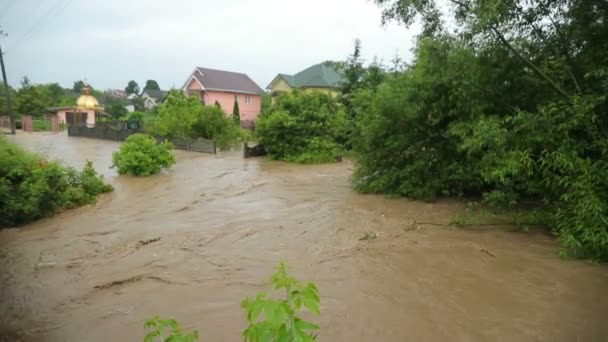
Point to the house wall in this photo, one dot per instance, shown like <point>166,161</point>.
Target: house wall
<point>226,100</point>
<point>281,85</point>
<point>148,103</point>
<point>90,116</point>
<point>248,111</point>
<point>193,85</point>
<point>329,91</point>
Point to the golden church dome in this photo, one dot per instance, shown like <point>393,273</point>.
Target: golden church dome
<point>86,100</point>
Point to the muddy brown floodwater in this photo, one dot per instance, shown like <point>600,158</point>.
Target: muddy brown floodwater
<point>191,243</point>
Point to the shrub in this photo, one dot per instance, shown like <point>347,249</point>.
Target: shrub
<point>461,122</point>
<point>303,127</point>
<point>33,188</point>
<point>136,116</point>
<point>236,114</point>
<point>184,116</point>
<point>212,123</point>
<point>141,155</point>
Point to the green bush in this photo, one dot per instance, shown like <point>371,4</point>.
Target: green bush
<point>137,116</point>
<point>212,123</point>
<point>32,188</point>
<point>184,116</point>
<point>303,127</point>
<point>461,122</point>
<point>141,155</point>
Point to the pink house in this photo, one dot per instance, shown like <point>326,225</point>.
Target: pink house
<point>226,87</point>
<point>74,116</point>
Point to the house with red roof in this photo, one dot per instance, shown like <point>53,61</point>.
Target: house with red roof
<point>225,88</point>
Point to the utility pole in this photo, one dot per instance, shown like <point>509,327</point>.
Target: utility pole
<point>6,89</point>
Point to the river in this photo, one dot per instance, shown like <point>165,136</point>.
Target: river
<point>96,273</point>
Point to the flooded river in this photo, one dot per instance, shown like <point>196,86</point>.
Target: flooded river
<point>222,222</point>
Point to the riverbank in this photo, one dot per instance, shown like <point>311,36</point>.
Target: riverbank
<point>222,222</point>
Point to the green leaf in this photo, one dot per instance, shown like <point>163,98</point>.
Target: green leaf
<point>304,325</point>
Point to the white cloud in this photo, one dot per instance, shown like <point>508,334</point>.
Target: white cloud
<point>112,41</point>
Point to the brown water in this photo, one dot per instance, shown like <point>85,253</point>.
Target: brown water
<point>224,222</point>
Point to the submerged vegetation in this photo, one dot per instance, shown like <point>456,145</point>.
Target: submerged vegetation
<point>32,187</point>
<point>511,107</point>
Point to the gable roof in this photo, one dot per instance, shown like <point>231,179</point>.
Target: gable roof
<point>318,75</point>
<point>220,80</point>
<point>155,94</point>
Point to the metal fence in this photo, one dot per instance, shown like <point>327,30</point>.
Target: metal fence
<point>120,132</point>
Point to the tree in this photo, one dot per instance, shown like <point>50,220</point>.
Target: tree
<point>3,102</point>
<point>57,94</point>
<point>549,38</point>
<point>303,127</point>
<point>176,115</point>
<point>139,104</point>
<point>217,104</point>
<point>32,99</point>
<point>509,105</point>
<point>183,116</point>
<point>132,88</point>
<point>78,86</point>
<point>353,71</point>
<point>357,76</point>
<point>236,115</point>
<point>266,102</point>
<point>116,108</point>
<point>55,91</point>
<point>151,85</point>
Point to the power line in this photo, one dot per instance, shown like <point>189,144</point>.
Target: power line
<point>39,24</point>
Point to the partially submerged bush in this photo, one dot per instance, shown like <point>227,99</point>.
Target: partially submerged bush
<point>141,155</point>
<point>32,188</point>
<point>303,127</point>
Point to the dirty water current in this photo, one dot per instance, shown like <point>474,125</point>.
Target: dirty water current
<point>192,242</point>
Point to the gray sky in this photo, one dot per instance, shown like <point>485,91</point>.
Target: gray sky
<point>113,41</point>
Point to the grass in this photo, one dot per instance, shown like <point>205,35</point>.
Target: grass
<point>522,218</point>
<point>41,125</point>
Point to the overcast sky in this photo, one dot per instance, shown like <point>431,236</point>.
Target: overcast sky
<point>113,41</point>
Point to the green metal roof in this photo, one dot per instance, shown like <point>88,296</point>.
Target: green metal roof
<point>318,75</point>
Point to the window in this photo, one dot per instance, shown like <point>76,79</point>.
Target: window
<point>248,99</point>
<point>236,98</point>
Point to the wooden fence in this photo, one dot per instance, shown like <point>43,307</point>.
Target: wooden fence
<point>120,132</point>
